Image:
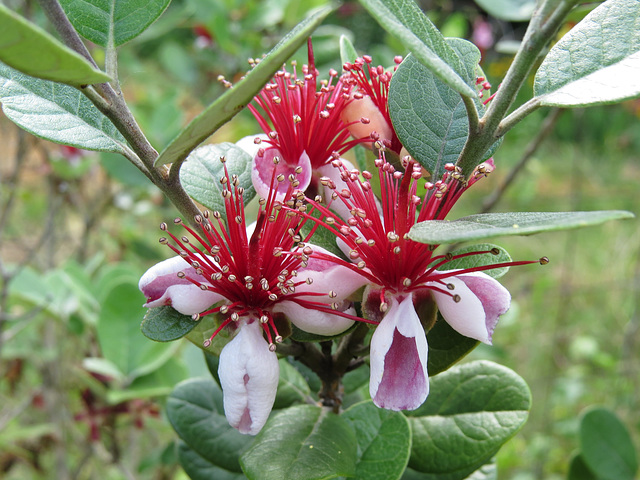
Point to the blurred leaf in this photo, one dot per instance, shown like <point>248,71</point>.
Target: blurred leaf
<point>429,117</point>
<point>597,62</point>
<point>56,112</point>
<point>578,470</point>
<point>158,383</point>
<point>26,47</point>
<point>199,468</point>
<point>606,446</point>
<point>304,442</point>
<point>122,170</point>
<point>292,387</point>
<point>102,366</point>
<point>509,10</point>
<point>195,409</point>
<point>446,347</point>
<point>200,174</point>
<point>236,98</point>
<point>486,225</point>
<point>118,20</point>
<point>479,260</point>
<point>165,324</point>
<point>119,334</point>
<point>348,52</point>
<point>472,410</point>
<point>384,441</point>
<point>404,20</point>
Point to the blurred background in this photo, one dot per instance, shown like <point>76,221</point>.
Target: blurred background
<point>82,390</point>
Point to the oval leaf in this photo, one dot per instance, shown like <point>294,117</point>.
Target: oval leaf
<point>118,20</point>
<point>472,410</point>
<point>236,98</point>
<point>164,324</point>
<point>446,347</point>
<point>487,225</point>
<point>200,174</point>
<point>292,387</point>
<point>578,470</point>
<point>302,443</point>
<point>606,446</point>
<point>429,117</point>
<point>196,411</point>
<point>199,468</point>
<point>26,47</point>
<point>597,62</point>
<point>404,20</point>
<point>480,260</point>
<point>384,441</point>
<point>56,112</point>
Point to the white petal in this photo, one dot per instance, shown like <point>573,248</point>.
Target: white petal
<point>399,379</point>
<point>249,374</point>
<point>333,173</point>
<point>249,145</point>
<point>482,300</point>
<point>314,321</point>
<point>161,286</point>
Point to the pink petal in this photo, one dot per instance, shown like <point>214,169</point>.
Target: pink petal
<point>365,107</point>
<point>252,143</point>
<point>399,379</point>
<point>162,286</point>
<point>482,300</point>
<point>249,374</point>
<point>263,167</point>
<point>334,174</point>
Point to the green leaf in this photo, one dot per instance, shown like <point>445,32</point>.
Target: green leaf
<point>236,98</point>
<point>479,260</point>
<point>199,468</point>
<point>429,117</point>
<point>200,174</point>
<point>597,62</point>
<point>164,324</point>
<point>384,441</point>
<point>304,442</point>
<point>26,47</point>
<point>509,10</point>
<point>292,387</point>
<point>118,20</point>
<point>578,470</point>
<point>196,411</point>
<point>446,347</point>
<point>486,225</point>
<point>471,411</point>
<point>606,446</point>
<point>348,52</point>
<point>119,334</point>
<point>56,112</point>
<point>404,20</point>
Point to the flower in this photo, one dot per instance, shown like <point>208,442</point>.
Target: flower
<point>404,276</point>
<point>254,276</point>
<point>302,120</point>
<point>370,102</point>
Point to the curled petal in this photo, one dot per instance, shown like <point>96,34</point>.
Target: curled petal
<point>315,321</point>
<point>249,374</point>
<point>399,379</point>
<point>325,275</point>
<point>334,174</point>
<point>162,286</point>
<point>482,300</point>
<point>263,170</point>
<point>252,143</point>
